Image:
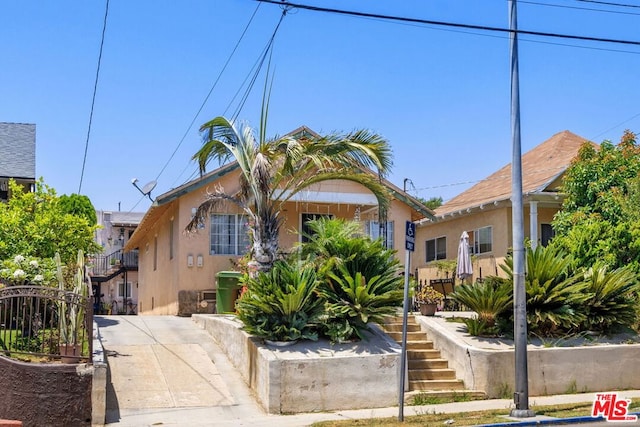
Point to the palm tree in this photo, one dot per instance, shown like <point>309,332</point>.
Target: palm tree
<point>273,170</point>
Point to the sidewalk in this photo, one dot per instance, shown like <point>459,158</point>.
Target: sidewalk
<point>164,370</point>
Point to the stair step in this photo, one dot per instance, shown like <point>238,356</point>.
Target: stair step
<point>399,319</point>
<point>411,335</point>
<point>436,385</point>
<point>432,374</point>
<point>428,364</point>
<point>423,354</point>
<point>419,345</point>
<point>397,327</point>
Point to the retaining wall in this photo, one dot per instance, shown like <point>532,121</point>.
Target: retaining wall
<point>552,370</point>
<point>308,376</point>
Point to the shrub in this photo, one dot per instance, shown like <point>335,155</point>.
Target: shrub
<point>354,300</point>
<point>614,298</point>
<point>554,291</point>
<point>281,304</point>
<point>488,299</point>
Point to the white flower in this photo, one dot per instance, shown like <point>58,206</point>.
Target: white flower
<point>18,259</point>
<point>18,274</point>
<point>38,278</point>
<point>33,263</point>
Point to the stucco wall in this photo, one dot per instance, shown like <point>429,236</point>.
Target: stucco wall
<point>310,376</point>
<point>48,394</point>
<point>553,370</point>
<point>158,288</point>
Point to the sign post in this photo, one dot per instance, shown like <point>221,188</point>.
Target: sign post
<point>410,240</point>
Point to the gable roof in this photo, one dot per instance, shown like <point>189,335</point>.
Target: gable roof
<point>163,201</point>
<point>541,168</point>
<point>18,150</point>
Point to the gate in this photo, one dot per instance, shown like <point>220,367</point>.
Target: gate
<point>39,323</point>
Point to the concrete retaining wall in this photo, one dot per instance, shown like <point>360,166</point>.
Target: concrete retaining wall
<point>553,370</point>
<point>99,383</point>
<point>309,376</point>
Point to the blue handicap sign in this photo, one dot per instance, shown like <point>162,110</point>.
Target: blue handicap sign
<point>410,236</point>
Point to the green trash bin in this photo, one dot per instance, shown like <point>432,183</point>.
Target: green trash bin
<point>228,290</point>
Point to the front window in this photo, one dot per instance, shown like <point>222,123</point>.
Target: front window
<point>483,240</point>
<point>548,233</point>
<point>229,234</point>
<point>436,249</point>
<point>375,231</point>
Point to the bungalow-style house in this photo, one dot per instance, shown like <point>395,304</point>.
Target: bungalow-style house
<point>17,156</point>
<point>177,271</point>
<point>484,212</point>
<point>114,273</point>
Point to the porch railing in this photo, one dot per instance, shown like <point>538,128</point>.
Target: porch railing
<point>101,265</point>
<point>40,323</point>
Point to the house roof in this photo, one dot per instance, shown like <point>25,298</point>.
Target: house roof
<point>163,201</point>
<point>541,168</point>
<point>18,150</point>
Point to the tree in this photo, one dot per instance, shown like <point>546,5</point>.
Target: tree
<point>35,224</point>
<point>433,203</point>
<point>272,171</point>
<point>79,205</point>
<point>599,217</point>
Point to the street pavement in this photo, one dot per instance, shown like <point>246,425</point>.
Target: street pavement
<point>165,370</point>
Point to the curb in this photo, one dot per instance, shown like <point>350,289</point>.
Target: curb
<point>555,421</point>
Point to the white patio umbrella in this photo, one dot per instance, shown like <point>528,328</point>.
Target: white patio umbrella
<point>464,268</point>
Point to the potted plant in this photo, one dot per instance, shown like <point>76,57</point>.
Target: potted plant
<point>428,299</point>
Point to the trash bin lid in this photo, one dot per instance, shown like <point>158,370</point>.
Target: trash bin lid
<point>234,274</point>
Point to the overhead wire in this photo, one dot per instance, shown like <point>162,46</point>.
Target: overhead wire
<point>450,24</point>
<point>93,98</point>
<point>206,98</point>
<point>564,6</point>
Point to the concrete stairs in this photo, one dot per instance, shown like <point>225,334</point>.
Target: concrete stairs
<point>428,372</point>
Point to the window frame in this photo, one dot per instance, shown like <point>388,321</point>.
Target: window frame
<point>239,235</point>
<point>372,228</point>
<point>477,244</point>
<point>438,255</point>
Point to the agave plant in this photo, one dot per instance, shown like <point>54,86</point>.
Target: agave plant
<point>614,298</point>
<point>281,305</point>
<point>554,291</point>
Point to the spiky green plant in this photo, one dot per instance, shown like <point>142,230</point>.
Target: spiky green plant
<point>358,300</point>
<point>614,298</point>
<point>281,304</point>
<point>71,314</point>
<point>554,291</point>
<point>488,299</point>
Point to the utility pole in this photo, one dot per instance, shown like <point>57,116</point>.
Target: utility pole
<point>521,394</point>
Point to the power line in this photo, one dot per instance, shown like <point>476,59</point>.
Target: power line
<point>610,3</point>
<point>589,9</point>
<point>215,83</point>
<point>93,99</point>
<point>450,24</point>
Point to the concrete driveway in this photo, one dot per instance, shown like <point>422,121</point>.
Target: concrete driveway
<point>165,370</point>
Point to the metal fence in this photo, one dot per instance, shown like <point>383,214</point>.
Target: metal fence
<point>40,323</point>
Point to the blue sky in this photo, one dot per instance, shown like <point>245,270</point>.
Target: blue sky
<point>439,95</point>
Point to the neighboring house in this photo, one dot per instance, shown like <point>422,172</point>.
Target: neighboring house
<point>114,274</point>
<point>178,271</point>
<point>484,212</point>
<point>17,156</point>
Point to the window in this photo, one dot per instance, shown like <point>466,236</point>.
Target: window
<point>436,249</point>
<point>306,217</point>
<point>547,234</point>
<point>374,231</point>
<point>229,234</point>
<point>483,240</point>
<point>124,290</point>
